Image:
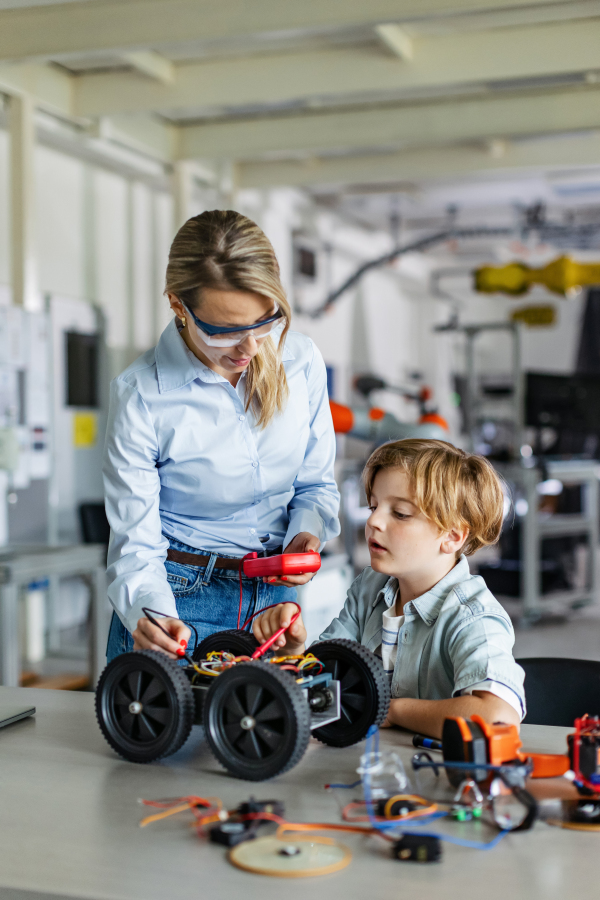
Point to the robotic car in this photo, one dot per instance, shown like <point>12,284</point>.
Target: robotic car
<point>258,714</point>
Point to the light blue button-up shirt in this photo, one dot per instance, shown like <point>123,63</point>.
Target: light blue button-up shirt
<point>185,459</point>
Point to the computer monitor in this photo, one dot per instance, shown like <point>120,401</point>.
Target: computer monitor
<point>568,404</point>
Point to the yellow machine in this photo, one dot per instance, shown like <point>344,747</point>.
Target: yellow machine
<point>562,276</point>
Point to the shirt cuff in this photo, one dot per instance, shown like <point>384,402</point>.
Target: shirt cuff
<point>304,520</point>
<point>500,690</point>
<point>157,602</point>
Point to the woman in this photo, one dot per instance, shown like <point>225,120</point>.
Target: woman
<point>219,443</point>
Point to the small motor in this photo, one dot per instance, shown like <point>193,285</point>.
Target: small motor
<point>417,848</point>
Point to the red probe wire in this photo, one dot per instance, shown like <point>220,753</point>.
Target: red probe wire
<point>269,643</point>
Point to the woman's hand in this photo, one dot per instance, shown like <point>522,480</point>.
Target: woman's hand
<point>265,625</point>
<point>302,543</point>
<point>148,637</point>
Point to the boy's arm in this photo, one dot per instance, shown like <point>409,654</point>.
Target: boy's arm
<point>480,649</point>
<point>427,716</point>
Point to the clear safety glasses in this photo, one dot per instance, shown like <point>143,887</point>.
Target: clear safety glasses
<point>217,336</point>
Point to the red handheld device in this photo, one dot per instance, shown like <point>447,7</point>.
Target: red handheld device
<point>255,566</point>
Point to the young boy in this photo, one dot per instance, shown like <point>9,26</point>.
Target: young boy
<point>445,641</point>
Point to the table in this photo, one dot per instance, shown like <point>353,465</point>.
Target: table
<point>20,566</point>
<point>69,817</point>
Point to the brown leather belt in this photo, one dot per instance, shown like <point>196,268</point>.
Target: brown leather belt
<point>197,559</point>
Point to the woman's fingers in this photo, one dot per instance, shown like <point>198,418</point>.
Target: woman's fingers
<point>148,636</point>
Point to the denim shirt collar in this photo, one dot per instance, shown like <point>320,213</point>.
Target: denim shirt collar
<point>176,365</point>
<point>428,605</point>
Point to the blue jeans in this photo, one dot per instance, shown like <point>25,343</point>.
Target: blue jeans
<point>206,597</point>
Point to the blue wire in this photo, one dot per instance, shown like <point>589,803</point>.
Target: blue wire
<point>373,738</point>
<point>353,785</point>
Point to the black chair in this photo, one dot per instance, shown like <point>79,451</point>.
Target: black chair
<point>558,691</point>
<point>94,524</point>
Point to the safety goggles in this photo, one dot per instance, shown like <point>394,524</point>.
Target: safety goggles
<point>219,336</point>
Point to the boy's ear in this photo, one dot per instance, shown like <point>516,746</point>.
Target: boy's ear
<point>453,540</point>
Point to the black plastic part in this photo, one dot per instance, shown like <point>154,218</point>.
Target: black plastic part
<point>365,690</point>
<point>587,811</point>
<point>230,834</point>
<point>257,720</point>
<point>164,692</point>
<point>236,641</point>
<point>456,749</point>
<point>589,748</point>
<point>417,848</point>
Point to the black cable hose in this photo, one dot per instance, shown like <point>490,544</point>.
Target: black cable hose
<point>544,229</point>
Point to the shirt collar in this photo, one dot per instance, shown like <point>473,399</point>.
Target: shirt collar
<point>428,605</point>
<point>177,366</point>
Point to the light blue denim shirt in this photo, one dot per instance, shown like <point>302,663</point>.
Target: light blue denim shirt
<point>185,460</point>
<point>454,636</point>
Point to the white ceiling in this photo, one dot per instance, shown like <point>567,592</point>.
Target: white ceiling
<point>484,102</point>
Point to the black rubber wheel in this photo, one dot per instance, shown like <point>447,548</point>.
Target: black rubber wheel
<point>365,690</point>
<point>241,643</point>
<point>257,720</point>
<point>144,705</point>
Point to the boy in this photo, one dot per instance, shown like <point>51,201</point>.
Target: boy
<point>445,641</point>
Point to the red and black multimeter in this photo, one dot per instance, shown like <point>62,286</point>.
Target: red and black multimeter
<point>255,566</point>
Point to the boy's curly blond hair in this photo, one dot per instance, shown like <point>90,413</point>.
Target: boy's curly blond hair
<point>451,487</point>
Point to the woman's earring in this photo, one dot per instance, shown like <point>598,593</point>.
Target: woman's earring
<point>183,321</point>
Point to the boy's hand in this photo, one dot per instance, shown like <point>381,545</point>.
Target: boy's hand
<point>148,637</point>
<point>277,617</point>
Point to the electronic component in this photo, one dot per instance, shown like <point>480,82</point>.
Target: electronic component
<point>296,857</point>
<point>417,848</point>
<point>255,566</point>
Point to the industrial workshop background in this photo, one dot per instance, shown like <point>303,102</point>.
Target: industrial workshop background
<point>432,138</point>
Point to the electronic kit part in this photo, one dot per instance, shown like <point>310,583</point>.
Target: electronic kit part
<point>419,740</point>
<point>258,714</point>
<point>419,848</point>
<point>230,834</point>
<point>244,822</point>
<point>302,857</point>
<point>255,566</point>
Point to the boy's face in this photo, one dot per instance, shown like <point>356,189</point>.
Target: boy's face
<point>402,540</point>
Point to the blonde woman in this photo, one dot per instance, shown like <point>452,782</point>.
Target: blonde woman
<point>219,443</point>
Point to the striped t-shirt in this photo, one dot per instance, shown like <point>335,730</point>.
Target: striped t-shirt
<point>390,628</point>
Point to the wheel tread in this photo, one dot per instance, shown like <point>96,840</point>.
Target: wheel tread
<point>184,699</point>
<point>212,642</point>
<point>382,687</point>
<point>300,709</point>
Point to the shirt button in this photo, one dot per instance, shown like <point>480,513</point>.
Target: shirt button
<point>253,531</point>
<point>242,418</point>
<point>254,465</point>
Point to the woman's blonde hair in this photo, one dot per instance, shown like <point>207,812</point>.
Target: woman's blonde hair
<point>226,251</point>
<point>451,487</point>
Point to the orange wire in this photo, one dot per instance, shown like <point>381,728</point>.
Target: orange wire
<point>415,814</point>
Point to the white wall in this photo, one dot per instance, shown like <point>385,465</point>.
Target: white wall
<point>60,231</point>
<point>4,210</point>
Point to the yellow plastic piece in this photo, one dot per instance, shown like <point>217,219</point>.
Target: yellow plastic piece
<point>562,276</point>
<point>85,429</point>
<point>535,316</point>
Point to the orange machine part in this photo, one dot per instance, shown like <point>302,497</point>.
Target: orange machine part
<point>504,742</point>
<point>434,419</point>
<point>375,414</point>
<point>343,417</point>
<point>547,765</point>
